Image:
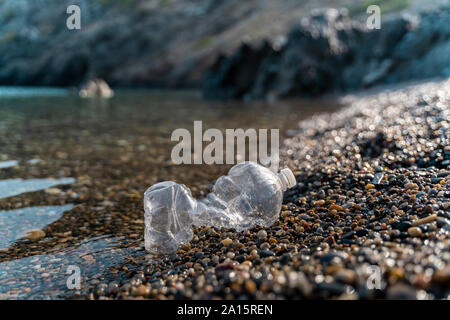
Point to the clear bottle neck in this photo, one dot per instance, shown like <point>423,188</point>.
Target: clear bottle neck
<point>287,179</point>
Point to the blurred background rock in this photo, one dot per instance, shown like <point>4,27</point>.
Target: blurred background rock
<point>160,43</point>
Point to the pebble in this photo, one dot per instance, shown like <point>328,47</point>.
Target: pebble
<point>262,234</point>
<point>415,232</point>
<point>226,242</point>
<point>345,276</point>
<point>402,226</point>
<point>35,235</point>
<point>411,185</point>
<point>250,286</point>
<point>377,178</point>
<point>53,191</point>
<point>199,255</point>
<point>141,290</point>
<point>401,292</point>
<point>266,253</point>
<point>425,220</point>
<point>443,174</point>
<point>264,245</point>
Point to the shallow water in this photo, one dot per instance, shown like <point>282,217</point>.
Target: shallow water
<point>8,164</point>
<point>31,91</point>
<point>14,187</point>
<point>14,224</point>
<point>113,150</point>
<point>47,276</point>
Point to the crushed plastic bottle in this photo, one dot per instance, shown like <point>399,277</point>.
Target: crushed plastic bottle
<point>249,195</point>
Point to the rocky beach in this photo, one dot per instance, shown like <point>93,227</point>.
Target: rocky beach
<point>364,120</point>
<point>373,192</point>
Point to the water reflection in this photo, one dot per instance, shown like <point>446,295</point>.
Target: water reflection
<point>14,187</point>
<point>11,91</point>
<point>8,164</point>
<point>14,224</point>
<point>45,276</point>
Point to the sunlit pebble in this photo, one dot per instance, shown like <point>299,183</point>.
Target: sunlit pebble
<point>35,235</point>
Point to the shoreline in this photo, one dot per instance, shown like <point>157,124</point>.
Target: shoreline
<point>339,222</point>
<point>358,196</point>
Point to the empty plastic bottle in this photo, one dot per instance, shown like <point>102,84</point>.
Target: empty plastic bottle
<point>249,195</point>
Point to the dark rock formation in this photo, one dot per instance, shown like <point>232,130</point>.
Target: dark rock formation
<point>329,52</point>
<point>161,43</point>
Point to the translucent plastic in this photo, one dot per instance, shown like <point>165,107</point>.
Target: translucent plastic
<point>249,195</point>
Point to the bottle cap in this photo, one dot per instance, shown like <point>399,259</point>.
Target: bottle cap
<point>287,177</point>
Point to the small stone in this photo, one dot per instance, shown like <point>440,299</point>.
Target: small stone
<point>262,234</point>
<point>250,286</point>
<point>35,235</point>
<point>198,266</point>
<point>230,255</point>
<point>377,178</point>
<point>425,220</point>
<point>106,203</point>
<point>362,232</point>
<point>428,208</point>
<point>142,290</point>
<point>226,242</point>
<point>199,255</point>
<point>336,207</point>
<point>394,233</point>
<point>402,226</point>
<point>346,276</point>
<point>53,191</point>
<point>401,292</point>
<point>266,253</point>
<point>264,245</point>
<point>349,235</point>
<point>442,276</point>
<point>444,174</point>
<point>441,222</point>
<point>370,186</point>
<point>411,185</point>
<point>415,232</point>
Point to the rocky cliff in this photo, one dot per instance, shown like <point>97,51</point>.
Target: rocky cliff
<point>328,52</point>
<point>248,48</point>
<point>168,43</point>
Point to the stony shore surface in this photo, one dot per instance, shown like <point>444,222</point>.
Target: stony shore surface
<point>372,196</point>
<point>373,192</point>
